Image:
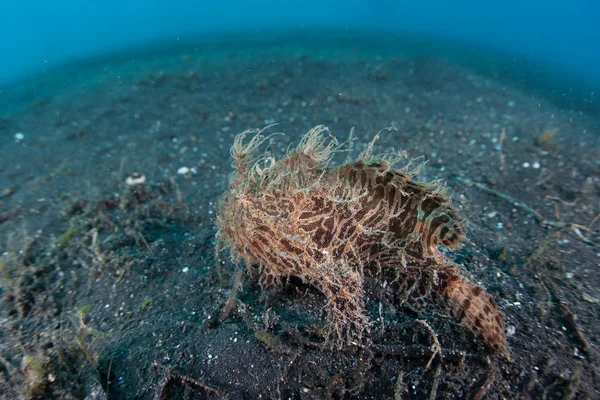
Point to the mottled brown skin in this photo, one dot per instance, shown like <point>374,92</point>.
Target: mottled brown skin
<point>332,226</point>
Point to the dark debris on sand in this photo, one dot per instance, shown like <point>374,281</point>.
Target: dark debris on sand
<point>107,233</point>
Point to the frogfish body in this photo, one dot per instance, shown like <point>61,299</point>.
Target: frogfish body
<point>332,227</point>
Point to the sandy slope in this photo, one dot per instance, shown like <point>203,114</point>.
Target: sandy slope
<point>101,279</point>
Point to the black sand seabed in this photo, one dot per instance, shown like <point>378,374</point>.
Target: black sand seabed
<point>109,290</point>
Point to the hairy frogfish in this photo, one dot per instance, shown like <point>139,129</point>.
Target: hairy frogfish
<point>336,226</point>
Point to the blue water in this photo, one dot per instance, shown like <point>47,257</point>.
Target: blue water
<point>39,34</point>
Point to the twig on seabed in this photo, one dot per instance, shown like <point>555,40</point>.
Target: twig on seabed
<point>515,202</point>
<point>573,324</point>
<point>436,348</point>
<point>480,392</point>
<point>436,382</point>
<point>500,143</point>
<point>577,228</point>
<point>170,375</point>
<point>399,386</point>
